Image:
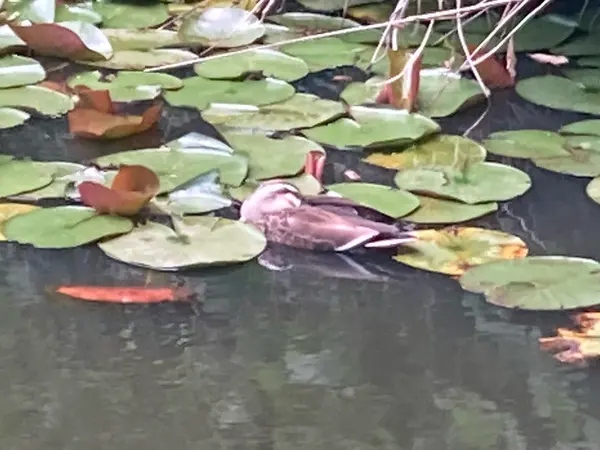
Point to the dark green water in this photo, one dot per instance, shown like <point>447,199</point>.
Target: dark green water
<point>329,354</point>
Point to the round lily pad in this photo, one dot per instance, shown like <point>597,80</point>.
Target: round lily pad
<point>37,98</point>
<point>538,270</point>
<point>199,92</point>
<point>526,144</point>
<point>200,241</point>
<point>269,157</point>
<point>8,210</point>
<point>270,62</point>
<point>142,59</point>
<point>299,111</point>
<point>63,227</point>
<point>326,53</point>
<point>60,172</point>
<point>373,127</point>
<point>455,249</point>
<point>389,201</point>
<point>439,211</point>
<point>479,183</point>
<point>586,127</point>
<point>122,15</point>
<point>19,71</point>
<point>149,39</point>
<point>581,157</point>
<point>175,167</point>
<point>10,118</point>
<point>438,150</point>
<point>559,93</point>
<point>21,176</point>
<point>221,27</point>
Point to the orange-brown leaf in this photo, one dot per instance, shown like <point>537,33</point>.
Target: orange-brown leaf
<point>97,99</point>
<point>131,190</point>
<point>493,70</point>
<point>576,346</point>
<point>125,294</point>
<point>91,123</point>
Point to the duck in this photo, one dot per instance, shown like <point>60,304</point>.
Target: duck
<point>320,222</point>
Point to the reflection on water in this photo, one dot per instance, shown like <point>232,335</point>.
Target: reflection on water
<point>297,351</point>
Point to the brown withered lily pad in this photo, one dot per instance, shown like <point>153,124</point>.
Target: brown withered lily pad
<point>94,117</point>
<point>453,250</point>
<point>576,346</point>
<point>131,190</point>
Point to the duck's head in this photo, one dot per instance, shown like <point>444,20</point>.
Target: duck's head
<point>270,197</point>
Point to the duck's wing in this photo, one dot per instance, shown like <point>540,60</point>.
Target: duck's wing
<point>344,206</point>
<point>319,229</point>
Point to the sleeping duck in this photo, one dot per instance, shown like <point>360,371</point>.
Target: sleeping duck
<point>317,222</point>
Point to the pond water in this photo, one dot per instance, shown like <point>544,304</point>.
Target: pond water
<point>332,353</point>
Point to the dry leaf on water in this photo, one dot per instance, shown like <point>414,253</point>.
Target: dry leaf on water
<point>94,117</point>
<point>576,347</point>
<point>494,71</point>
<point>125,294</point>
<point>402,92</point>
<point>131,189</point>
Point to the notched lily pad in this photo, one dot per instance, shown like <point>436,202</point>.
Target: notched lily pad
<point>479,183</point>
<point>199,241</point>
<point>439,211</point>
<point>63,227</point>
<point>8,210</point>
<point>455,249</point>
<point>17,176</point>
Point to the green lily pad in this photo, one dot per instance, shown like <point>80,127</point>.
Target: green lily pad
<point>306,184</point>
<point>199,92</point>
<point>19,71</point>
<point>581,157</point>
<point>140,59</point>
<point>200,241</point>
<point>221,27</point>
<point>526,144</point>
<point>21,176</point>
<point>175,167</point>
<point>127,86</point>
<point>559,93</point>
<point>439,211</point>
<point>455,249</point>
<point>479,183</point>
<point>544,32</point>
<point>373,127</point>
<point>40,99</point>
<point>357,93</point>
<point>586,44</point>
<point>588,78</point>
<point>60,172</point>
<point>588,61</point>
<point>121,15</point>
<point>326,53</point>
<point>269,157</point>
<point>299,111</point>
<point>10,118</point>
<point>442,93</point>
<point>126,39</point>
<point>63,227</point>
<point>439,150</point>
<point>387,200</point>
<point>587,127</point>
<point>593,189</point>
<point>532,270</point>
<point>270,62</point>
<point>76,11</point>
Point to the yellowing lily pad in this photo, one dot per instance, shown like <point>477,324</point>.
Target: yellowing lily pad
<point>439,150</point>
<point>559,93</point>
<point>433,210</point>
<point>175,167</point>
<point>221,27</point>
<point>269,157</point>
<point>199,241</point>
<point>387,200</point>
<point>63,227</point>
<point>374,127</point>
<point>479,183</point>
<point>269,62</point>
<point>455,249</point>
<point>8,210</point>
<point>299,111</point>
<point>199,92</point>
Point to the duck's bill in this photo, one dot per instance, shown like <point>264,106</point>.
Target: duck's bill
<point>393,242</point>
